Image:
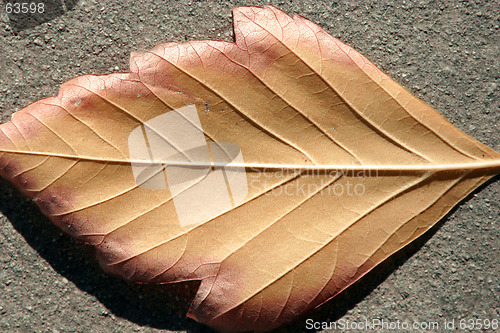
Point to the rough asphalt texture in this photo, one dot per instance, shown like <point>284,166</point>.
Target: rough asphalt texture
<point>445,53</point>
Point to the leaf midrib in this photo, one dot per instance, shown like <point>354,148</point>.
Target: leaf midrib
<point>494,165</point>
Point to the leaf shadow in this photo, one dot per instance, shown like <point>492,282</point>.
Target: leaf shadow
<point>21,18</point>
<point>165,306</point>
<point>158,306</point>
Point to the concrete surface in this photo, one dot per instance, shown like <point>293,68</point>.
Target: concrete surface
<point>444,52</point>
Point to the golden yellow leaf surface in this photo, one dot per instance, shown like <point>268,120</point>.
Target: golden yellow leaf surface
<point>277,170</point>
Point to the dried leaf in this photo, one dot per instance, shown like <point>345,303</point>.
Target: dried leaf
<point>278,169</point>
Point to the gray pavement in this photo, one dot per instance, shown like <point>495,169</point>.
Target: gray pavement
<point>444,52</point>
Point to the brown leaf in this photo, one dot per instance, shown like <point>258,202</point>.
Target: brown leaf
<point>313,167</point>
